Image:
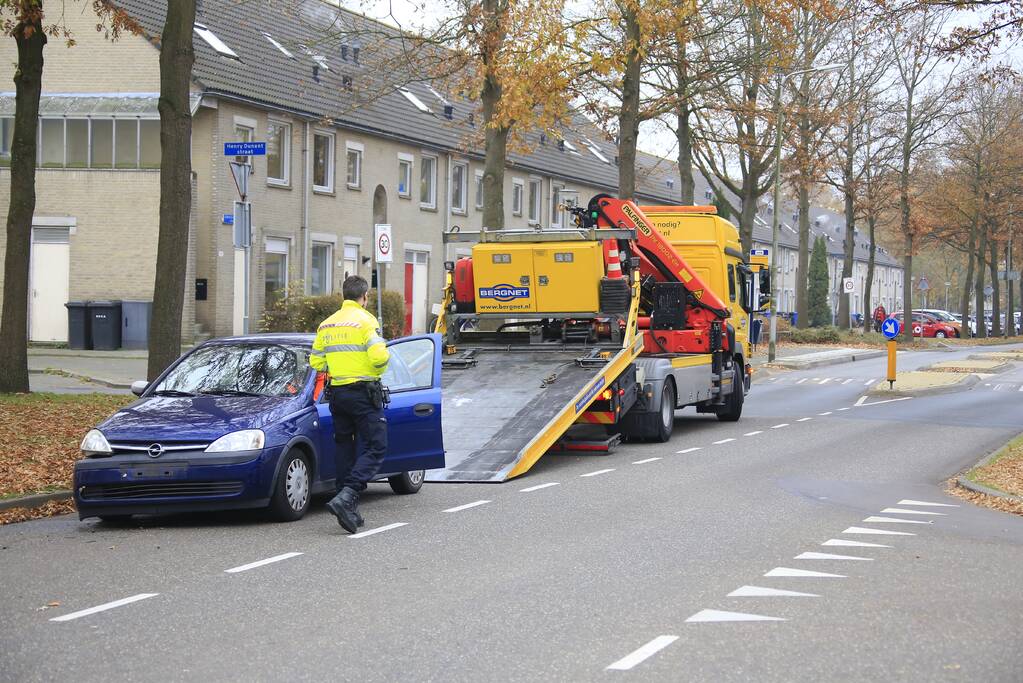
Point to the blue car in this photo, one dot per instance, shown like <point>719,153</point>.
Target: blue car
<point>238,423</point>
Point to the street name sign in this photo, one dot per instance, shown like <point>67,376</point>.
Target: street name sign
<point>244,149</point>
<point>890,328</point>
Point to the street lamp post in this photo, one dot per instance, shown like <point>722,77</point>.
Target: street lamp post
<point>779,115</point>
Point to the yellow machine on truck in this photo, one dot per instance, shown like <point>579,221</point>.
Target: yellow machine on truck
<point>553,334</point>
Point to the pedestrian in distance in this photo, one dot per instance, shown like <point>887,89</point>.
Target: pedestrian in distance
<point>879,317</point>
<point>349,348</point>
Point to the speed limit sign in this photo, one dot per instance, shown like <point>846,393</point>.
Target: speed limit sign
<point>383,245</point>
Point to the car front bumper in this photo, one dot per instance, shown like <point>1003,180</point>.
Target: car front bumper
<point>187,481</point>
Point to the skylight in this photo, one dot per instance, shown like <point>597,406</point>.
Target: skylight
<point>569,146</point>
<point>322,61</point>
<point>437,95</point>
<point>216,43</point>
<point>416,102</point>
<point>287,53</point>
<point>596,153</point>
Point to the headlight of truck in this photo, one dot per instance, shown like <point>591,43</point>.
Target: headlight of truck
<point>245,440</point>
<point>95,443</point>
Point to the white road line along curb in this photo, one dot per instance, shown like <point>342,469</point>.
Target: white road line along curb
<point>650,649</point>
<point>378,530</point>
<point>467,506</point>
<point>104,607</point>
<point>540,486</point>
<point>593,474</point>
<point>260,563</point>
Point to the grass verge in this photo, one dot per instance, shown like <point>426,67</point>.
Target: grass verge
<point>39,438</point>
<point>1002,473</point>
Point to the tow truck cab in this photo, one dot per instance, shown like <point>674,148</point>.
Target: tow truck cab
<point>711,246</point>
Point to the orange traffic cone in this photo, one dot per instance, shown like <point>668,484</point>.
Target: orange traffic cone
<point>614,264</point>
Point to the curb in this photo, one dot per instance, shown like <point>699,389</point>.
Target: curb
<point>33,501</point>
<point>112,384</point>
<point>966,382</point>
<point>795,364</point>
<point>961,480</point>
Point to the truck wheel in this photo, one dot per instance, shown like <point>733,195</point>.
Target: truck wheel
<point>666,421</point>
<point>293,489</point>
<point>732,410</point>
<point>407,482</point>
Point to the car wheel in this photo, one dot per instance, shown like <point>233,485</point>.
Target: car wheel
<point>939,334</point>
<point>293,489</point>
<point>732,410</point>
<point>407,482</point>
<point>666,423</point>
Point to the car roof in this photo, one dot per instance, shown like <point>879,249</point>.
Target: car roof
<point>301,338</point>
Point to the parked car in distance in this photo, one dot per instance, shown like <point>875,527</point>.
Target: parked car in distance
<point>926,326</point>
<point>943,316</point>
<point>241,422</point>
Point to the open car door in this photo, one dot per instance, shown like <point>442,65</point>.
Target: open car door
<point>414,437</point>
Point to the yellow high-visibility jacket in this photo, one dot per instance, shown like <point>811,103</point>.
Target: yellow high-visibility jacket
<point>348,345</point>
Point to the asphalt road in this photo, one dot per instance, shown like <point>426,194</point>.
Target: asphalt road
<point>658,562</point>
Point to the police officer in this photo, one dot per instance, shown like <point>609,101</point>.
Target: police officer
<point>349,346</point>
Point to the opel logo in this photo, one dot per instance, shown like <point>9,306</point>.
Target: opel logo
<point>155,451</point>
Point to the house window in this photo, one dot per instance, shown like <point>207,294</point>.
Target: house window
<point>517,188</point>
<point>351,260</point>
<point>101,143</point>
<point>275,275</point>
<point>354,156</point>
<point>320,276</point>
<point>428,183</point>
<point>459,191</point>
<point>6,138</point>
<point>278,153</point>
<point>405,175</point>
<point>77,132</point>
<point>51,145</point>
<point>556,212</point>
<point>243,133</point>
<point>323,162</point>
<point>127,143</point>
<point>534,200</point>
<point>479,190</point>
<point>149,143</point>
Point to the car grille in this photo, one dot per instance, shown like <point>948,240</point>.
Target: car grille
<point>191,489</point>
<point>141,447</point>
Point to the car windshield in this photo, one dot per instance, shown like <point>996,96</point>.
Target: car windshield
<point>239,370</point>
<point>941,315</point>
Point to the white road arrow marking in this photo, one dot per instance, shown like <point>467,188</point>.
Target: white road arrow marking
<point>761,592</point>
<point>829,556</point>
<point>926,504</point>
<point>788,572</point>
<point>880,532</point>
<point>893,520</point>
<point>900,511</point>
<point>710,615</point>
<point>853,544</point>
<point>643,653</point>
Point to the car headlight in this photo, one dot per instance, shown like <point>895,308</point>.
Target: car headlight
<point>245,440</point>
<point>95,443</point>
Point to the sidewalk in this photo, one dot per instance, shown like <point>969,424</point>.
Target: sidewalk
<point>112,369</point>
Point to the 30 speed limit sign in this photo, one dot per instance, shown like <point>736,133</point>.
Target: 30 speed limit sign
<point>383,246</point>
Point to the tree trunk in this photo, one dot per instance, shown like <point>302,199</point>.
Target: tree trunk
<point>868,286</point>
<point>803,262</point>
<point>685,156</point>
<point>747,216</point>
<point>495,137</point>
<point>979,288</point>
<point>996,299</point>
<point>628,117</point>
<point>29,36</point>
<point>964,301</point>
<point>845,300</point>
<point>176,58</point>
<point>907,259</point>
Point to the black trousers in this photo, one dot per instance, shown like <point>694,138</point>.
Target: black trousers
<point>360,432</point>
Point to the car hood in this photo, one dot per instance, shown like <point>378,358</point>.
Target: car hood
<point>203,418</point>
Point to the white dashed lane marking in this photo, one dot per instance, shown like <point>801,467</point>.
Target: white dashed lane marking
<point>650,649</point>
<point>759,431</point>
<point>718,443</point>
<point>690,450</point>
<point>643,462</point>
<point>801,381</point>
<point>827,413</point>
<point>830,556</point>
<point>261,563</point>
<point>847,381</point>
<point>104,607</point>
<point>761,592</point>
<point>540,486</point>
<point>475,504</point>
<point>783,424</point>
<point>852,544</point>
<point>893,520</point>
<point>790,573</point>
<point>380,529</point>
<point>804,419</point>
<point>899,511</point>
<point>924,503</point>
<point>593,474</point>
<point>878,532</point>
<point>711,615</point>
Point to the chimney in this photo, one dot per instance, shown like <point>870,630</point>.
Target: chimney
<point>449,111</point>
<point>561,145</point>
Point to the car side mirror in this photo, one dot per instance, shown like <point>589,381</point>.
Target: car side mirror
<point>138,388</point>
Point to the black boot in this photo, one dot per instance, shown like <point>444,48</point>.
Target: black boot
<point>359,521</point>
<point>345,507</point>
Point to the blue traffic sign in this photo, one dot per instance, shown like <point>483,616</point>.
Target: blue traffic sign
<point>890,328</point>
<point>758,252</point>
<point>244,149</point>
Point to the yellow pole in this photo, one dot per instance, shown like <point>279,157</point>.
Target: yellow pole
<point>891,363</point>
